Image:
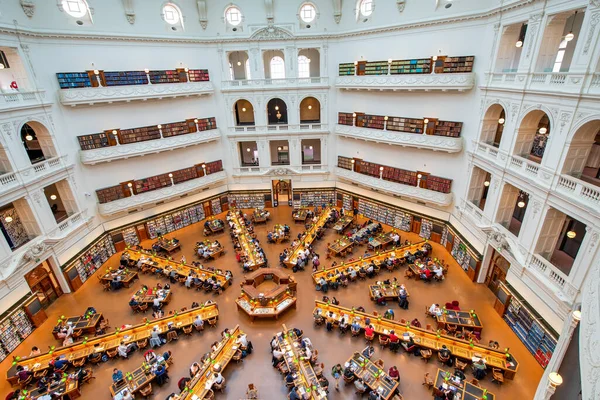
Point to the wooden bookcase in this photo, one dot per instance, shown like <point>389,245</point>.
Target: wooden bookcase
<point>458,64</point>
<point>345,163</point>
<point>412,66</point>
<point>345,118</point>
<point>448,128</point>
<point>376,68</point>
<point>346,69</point>
<point>401,124</point>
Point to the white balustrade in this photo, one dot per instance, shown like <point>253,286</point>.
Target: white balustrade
<point>18,100</point>
<point>545,268</point>
<point>242,84</point>
<point>561,82</point>
<point>280,169</point>
<point>579,190</point>
<point>314,127</point>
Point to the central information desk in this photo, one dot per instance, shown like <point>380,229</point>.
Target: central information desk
<point>467,390</point>
<point>182,270</point>
<point>378,258</point>
<point>311,235</point>
<point>305,378</point>
<point>374,377</point>
<point>244,237</point>
<point>111,341</point>
<point>260,303</point>
<point>200,385</point>
<point>425,339</point>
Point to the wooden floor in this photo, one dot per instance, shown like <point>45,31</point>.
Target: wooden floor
<point>332,347</point>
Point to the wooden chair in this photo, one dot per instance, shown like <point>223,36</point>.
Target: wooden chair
<point>221,386</point>
<point>210,395</point>
<point>319,320</point>
<point>369,339</point>
<point>451,328</point>
<point>380,363</point>
<point>402,321</point>
<point>89,375</point>
<point>104,324</point>
<point>319,369</point>
<point>460,364</point>
<point>362,275</point>
<point>349,379</point>
<point>96,358</point>
<point>146,390</point>
<point>361,392</point>
<point>252,392</point>
<point>429,327</point>
<point>427,381</point>
<point>172,335</point>
<point>199,328</point>
<point>383,341</point>
<point>426,354</point>
<point>474,381</point>
<point>497,376</point>
<point>315,356</point>
<point>212,322</point>
<point>43,373</point>
<point>143,307</point>
<point>427,313</point>
<point>187,330</point>
<point>142,344</point>
<point>442,359</point>
<point>237,357</point>
<point>112,353</point>
<point>23,384</point>
<point>77,334</point>
<point>106,286</point>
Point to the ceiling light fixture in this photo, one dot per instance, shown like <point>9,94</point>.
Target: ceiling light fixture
<point>543,130</point>
<point>570,36</point>
<point>276,108</point>
<point>8,219</point>
<point>159,126</point>
<point>385,118</point>
<point>53,197</point>
<point>279,148</point>
<point>248,149</point>
<point>243,109</point>
<point>146,70</point>
<point>521,204</point>
<point>486,183</point>
<point>571,234</point>
<point>196,120</point>
<point>1,66</point>
<point>521,38</point>
<point>309,107</point>
<point>519,43</point>
<point>29,137</point>
<point>501,121</point>
<point>310,147</point>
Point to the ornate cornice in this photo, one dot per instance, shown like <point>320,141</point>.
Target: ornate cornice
<point>164,194</point>
<point>112,153</point>
<point>404,139</point>
<point>410,82</point>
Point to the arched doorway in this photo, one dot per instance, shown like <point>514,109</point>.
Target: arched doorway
<point>277,112</point>
<point>42,280</point>
<point>499,267</point>
<point>532,136</point>
<point>310,111</point>
<point>37,142</point>
<point>493,125</point>
<point>583,156</point>
<point>282,192</point>
<point>244,113</point>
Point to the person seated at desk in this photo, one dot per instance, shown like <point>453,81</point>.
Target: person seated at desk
<point>199,322</point>
<point>59,363</point>
<point>289,378</point>
<point>35,351</point>
<point>446,355</point>
<point>133,302</point>
<point>439,272</point>
<point>293,395</point>
<point>479,369</point>
<point>161,375</point>
<point>117,375</point>
<point>435,310</point>
<point>403,298</point>
<point>23,374</point>
<point>379,299</point>
<point>355,327</point>
<point>323,286</point>
<point>324,383</point>
<point>368,351</point>
<point>389,314</point>
<point>125,349</point>
<point>415,322</point>
<point>116,283</point>
<point>155,339</point>
<point>493,344</point>
<point>370,270</point>
<point>360,386</point>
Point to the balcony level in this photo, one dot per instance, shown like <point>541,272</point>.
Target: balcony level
<point>564,83</point>
<point>12,183</point>
<point>23,100</point>
<point>288,129</point>
<point>321,82</point>
<point>413,192</point>
<point>458,82</point>
<point>310,169</point>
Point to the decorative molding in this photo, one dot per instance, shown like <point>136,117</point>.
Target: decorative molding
<point>595,18</point>
<point>271,32</point>
<point>337,11</point>
<point>595,3</point>
<point>426,82</point>
<point>129,11</point>
<point>589,334</point>
<point>275,84</point>
<point>269,11</point>
<point>404,139</point>
<point>164,194</point>
<point>281,170</point>
<point>275,130</point>
<point>124,151</point>
<point>13,101</point>
<point>401,4</point>
<point>202,13</point>
<point>416,193</point>
<point>28,7</point>
<point>114,94</point>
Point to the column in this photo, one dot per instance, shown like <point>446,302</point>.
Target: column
<point>5,250</point>
<point>291,60</point>
<point>532,222</point>
<point>256,63</point>
<point>550,380</point>
<point>493,198</point>
<point>585,257</point>
<point>264,153</point>
<point>588,41</point>
<point>324,155</point>
<point>41,211</point>
<point>236,157</point>
<point>67,195</point>
<point>533,40</point>
<point>295,152</point>
<point>28,217</point>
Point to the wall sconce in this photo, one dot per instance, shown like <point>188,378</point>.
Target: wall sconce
<point>196,120</point>
<point>555,379</point>
<point>276,108</point>
<point>426,121</point>
<point>389,60</point>
<point>146,70</point>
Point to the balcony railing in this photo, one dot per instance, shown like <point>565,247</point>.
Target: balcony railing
<point>294,128</point>
<point>149,198</point>
<point>123,151</point>
<point>405,139</point>
<point>246,84</point>
<point>410,82</point>
<point>561,82</point>
<point>281,170</point>
<point>579,190</point>
<point>22,100</point>
<point>553,276</point>
<point>417,193</point>
<point>114,94</point>
<point>13,180</point>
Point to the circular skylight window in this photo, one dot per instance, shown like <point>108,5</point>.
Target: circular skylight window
<point>366,7</point>
<point>233,15</point>
<point>171,14</point>
<point>308,13</point>
<point>75,8</point>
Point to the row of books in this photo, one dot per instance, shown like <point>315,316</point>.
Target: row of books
<point>14,328</point>
<point>175,220</point>
<point>247,200</point>
<point>384,214</point>
<point>443,64</point>
<point>401,124</point>
<point>93,258</point>
<point>70,80</point>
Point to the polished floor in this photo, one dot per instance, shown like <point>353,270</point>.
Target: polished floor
<point>332,347</point>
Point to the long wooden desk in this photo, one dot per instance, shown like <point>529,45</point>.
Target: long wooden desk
<point>109,341</point>
<point>467,390</point>
<point>213,251</point>
<point>87,325</point>
<point>182,269</point>
<point>343,223</point>
<point>202,382</point>
<point>244,237</point>
<point>127,276</point>
<point>462,319</point>
<point>169,245</point>
<point>216,225</point>
<point>380,241</point>
<point>147,297</point>
<point>260,215</point>
<point>340,245</point>
<point>389,292</point>
<point>305,378</point>
<point>300,215</point>
<point>311,234</point>
<point>138,378</point>
<point>377,258</point>
<point>277,238</point>
<point>427,339</point>
<point>375,378</point>
<point>68,389</point>
<point>363,231</point>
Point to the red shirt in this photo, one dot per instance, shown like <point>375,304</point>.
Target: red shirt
<point>394,338</point>
<point>427,273</point>
<point>369,331</point>
<point>394,373</point>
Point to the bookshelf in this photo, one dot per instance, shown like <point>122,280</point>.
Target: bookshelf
<point>458,64</point>
<point>403,221</point>
<point>141,134</point>
<point>413,66</point>
<point>71,80</point>
<point>346,69</point>
<point>167,76</point>
<point>448,128</point>
<point>370,121</point>
<point>120,78</point>
<point>531,330</point>
<point>345,163</point>
<point>109,194</point>
<point>247,200</point>
<point>177,128</point>
<point>426,227</point>
<point>347,202</point>
<point>345,119</point>
<point>215,206</point>
<point>94,141</point>
<point>198,75</point>
<point>214,166</point>
<point>438,184</point>
<point>130,236</point>
<point>206,124</point>
<point>402,124</point>
<point>376,68</point>
<point>316,198</point>
<point>93,257</point>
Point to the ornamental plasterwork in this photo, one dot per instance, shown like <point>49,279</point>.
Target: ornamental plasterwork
<point>28,7</point>
<point>401,4</point>
<point>337,11</point>
<point>202,13</point>
<point>272,33</point>
<point>129,11</point>
<point>592,31</point>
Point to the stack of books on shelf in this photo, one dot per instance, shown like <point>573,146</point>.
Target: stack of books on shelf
<point>368,168</point>
<point>347,202</point>
<point>106,195</point>
<point>426,227</point>
<point>345,118</point>
<point>94,141</point>
<point>70,80</point>
<point>345,163</point>
<point>414,66</point>
<point>317,198</point>
<point>9,335</point>
<point>119,78</point>
<point>142,134</point>
<point>458,64</point>
<point>214,166</point>
<point>185,174</point>
<point>403,221</point>
<point>94,257</point>
<point>370,121</point>
<point>401,124</point>
<point>130,236</point>
<point>376,68</point>
<point>198,75</point>
<point>247,200</point>
<point>448,128</point>
<point>215,206</point>
<point>346,69</point>
<point>176,129</point>
<point>438,184</point>
<point>206,124</point>
<point>152,183</point>
<point>167,76</point>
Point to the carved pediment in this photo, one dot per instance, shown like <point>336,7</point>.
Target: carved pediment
<point>272,33</point>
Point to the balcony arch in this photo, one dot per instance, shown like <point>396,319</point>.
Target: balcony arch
<point>493,124</point>
<point>239,65</point>
<point>533,134</point>
<point>277,112</point>
<point>37,141</point>
<point>243,112</point>
<point>310,110</point>
<point>582,159</point>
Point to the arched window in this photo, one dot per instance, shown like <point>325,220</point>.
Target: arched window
<point>303,67</point>
<point>277,68</point>
<point>75,8</point>
<point>247,65</point>
<point>365,7</point>
<point>562,48</point>
<point>308,13</point>
<point>171,14</point>
<point>233,15</point>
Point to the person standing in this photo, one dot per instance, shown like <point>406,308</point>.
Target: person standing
<point>336,372</point>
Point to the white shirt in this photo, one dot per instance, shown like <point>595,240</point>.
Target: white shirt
<point>243,340</point>
<point>122,349</point>
<point>156,302</point>
<point>277,354</point>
